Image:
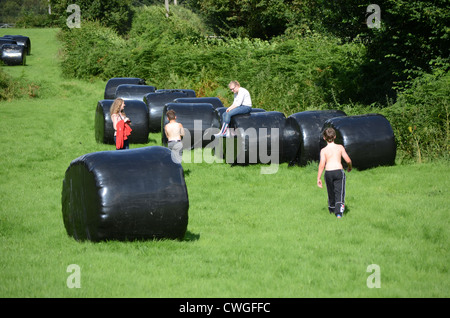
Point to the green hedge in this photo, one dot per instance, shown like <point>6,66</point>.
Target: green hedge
<point>420,117</point>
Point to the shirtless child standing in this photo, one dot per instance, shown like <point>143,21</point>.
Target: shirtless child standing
<point>174,131</point>
<point>330,160</point>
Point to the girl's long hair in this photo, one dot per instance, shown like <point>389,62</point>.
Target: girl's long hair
<point>115,107</point>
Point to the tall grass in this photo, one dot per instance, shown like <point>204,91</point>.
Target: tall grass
<point>249,234</point>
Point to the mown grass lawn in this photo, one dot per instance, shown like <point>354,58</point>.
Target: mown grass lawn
<point>249,234</point>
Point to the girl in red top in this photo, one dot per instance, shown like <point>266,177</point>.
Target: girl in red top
<point>118,114</point>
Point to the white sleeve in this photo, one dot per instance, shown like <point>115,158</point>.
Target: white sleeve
<point>242,98</point>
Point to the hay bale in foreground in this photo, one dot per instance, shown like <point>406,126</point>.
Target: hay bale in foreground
<point>125,195</point>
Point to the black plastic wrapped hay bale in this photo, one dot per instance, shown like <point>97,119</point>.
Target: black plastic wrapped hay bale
<point>189,92</point>
<point>137,112</point>
<point>215,101</point>
<point>13,54</point>
<point>155,102</point>
<point>200,122</point>
<point>368,139</point>
<point>111,85</point>
<point>125,195</point>
<point>221,110</point>
<point>7,40</point>
<point>133,92</point>
<point>256,138</point>
<point>308,125</point>
<point>21,40</point>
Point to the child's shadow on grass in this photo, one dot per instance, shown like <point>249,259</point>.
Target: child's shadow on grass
<point>346,210</point>
<point>191,237</point>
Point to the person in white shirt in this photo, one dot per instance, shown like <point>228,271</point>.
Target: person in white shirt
<point>242,104</point>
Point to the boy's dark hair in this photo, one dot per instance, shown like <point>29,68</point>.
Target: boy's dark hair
<point>329,134</point>
<point>171,114</point>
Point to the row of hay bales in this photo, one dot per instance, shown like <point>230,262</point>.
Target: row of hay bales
<point>14,49</point>
<point>369,138</point>
<point>149,199</point>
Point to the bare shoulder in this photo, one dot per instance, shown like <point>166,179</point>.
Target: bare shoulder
<point>342,148</point>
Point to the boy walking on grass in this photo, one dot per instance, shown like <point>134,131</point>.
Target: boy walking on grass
<point>330,160</point>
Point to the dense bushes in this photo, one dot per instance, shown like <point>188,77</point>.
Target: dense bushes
<point>287,74</point>
<point>420,117</point>
<point>290,73</point>
<point>90,50</point>
<point>115,14</point>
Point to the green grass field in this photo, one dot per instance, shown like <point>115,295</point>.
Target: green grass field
<point>249,234</point>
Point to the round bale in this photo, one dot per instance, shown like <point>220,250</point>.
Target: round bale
<point>21,40</point>
<point>256,138</point>
<point>111,85</point>
<point>368,139</point>
<point>13,54</point>
<point>133,92</point>
<point>308,126</point>
<point>7,40</point>
<point>189,92</point>
<point>137,112</point>
<point>221,110</point>
<point>125,195</point>
<point>155,102</point>
<point>215,101</point>
<point>200,121</point>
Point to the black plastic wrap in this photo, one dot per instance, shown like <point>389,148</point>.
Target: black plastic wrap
<point>368,139</point>
<point>200,122</point>
<point>133,92</point>
<point>125,195</point>
<point>189,92</point>
<point>21,40</point>
<point>221,110</point>
<point>7,40</point>
<point>111,85</point>
<point>215,101</point>
<point>256,138</point>
<point>308,126</point>
<point>137,112</point>
<point>13,54</point>
<point>156,101</point>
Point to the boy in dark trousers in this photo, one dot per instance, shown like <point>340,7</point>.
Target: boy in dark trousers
<point>330,161</point>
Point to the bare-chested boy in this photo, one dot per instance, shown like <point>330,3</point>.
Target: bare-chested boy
<point>174,131</point>
<point>330,160</point>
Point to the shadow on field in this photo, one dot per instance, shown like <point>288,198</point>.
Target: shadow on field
<point>346,210</point>
<point>190,237</point>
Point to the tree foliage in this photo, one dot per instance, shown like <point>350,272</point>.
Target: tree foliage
<point>250,18</point>
<point>116,14</point>
<point>413,38</point>
<point>24,12</point>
